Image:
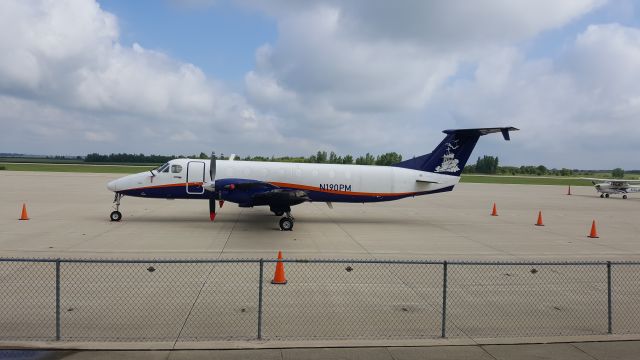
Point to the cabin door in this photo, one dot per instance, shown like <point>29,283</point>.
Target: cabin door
<point>195,177</point>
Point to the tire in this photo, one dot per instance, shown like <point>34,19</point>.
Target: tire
<point>601,195</point>
<point>624,197</point>
<point>606,195</point>
<point>286,224</point>
<point>115,216</point>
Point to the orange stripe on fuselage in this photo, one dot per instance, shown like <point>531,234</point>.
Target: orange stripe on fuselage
<point>291,186</point>
<point>167,186</point>
<point>354,193</point>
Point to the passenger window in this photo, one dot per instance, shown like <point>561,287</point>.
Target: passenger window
<point>176,169</point>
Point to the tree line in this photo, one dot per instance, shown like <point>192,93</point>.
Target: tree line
<point>320,157</point>
<point>486,164</point>
<point>490,165</point>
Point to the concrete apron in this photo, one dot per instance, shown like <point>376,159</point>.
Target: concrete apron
<point>275,344</point>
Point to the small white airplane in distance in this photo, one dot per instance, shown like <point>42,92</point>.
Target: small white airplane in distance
<point>281,185</point>
<point>608,187</point>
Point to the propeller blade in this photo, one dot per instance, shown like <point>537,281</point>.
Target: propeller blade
<point>212,167</point>
<point>212,209</point>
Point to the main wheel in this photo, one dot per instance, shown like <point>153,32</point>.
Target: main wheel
<point>286,224</point>
<point>278,212</point>
<point>601,195</point>
<point>624,197</point>
<point>606,195</point>
<point>116,216</point>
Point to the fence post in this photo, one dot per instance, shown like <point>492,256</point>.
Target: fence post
<point>609,309</point>
<point>444,299</point>
<point>260,300</point>
<point>58,299</point>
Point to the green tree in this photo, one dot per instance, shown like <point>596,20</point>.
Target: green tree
<point>321,157</point>
<point>367,159</point>
<point>617,173</point>
<point>347,159</point>
<point>389,158</point>
<point>487,165</point>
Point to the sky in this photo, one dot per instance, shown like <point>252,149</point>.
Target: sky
<point>288,77</point>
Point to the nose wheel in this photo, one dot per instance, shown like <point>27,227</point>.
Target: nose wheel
<point>116,215</point>
<point>286,223</point>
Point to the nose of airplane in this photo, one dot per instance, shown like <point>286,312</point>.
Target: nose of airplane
<point>112,185</point>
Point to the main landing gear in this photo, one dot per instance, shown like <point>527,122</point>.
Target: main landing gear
<point>607,196</point>
<point>286,223</point>
<point>116,215</point>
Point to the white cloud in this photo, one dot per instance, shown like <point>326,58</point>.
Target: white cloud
<point>368,75</point>
<point>64,56</point>
<point>580,110</point>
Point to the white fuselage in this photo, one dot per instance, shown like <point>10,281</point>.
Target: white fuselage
<point>324,182</point>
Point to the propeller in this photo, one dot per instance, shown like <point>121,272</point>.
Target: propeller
<point>212,209</point>
<point>212,177</point>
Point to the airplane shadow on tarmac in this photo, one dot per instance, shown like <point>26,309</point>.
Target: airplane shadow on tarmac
<point>614,197</point>
<point>270,221</point>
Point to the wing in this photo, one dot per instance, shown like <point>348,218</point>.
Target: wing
<point>614,182</point>
<point>596,179</point>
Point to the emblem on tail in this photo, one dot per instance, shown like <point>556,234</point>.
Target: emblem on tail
<point>449,162</point>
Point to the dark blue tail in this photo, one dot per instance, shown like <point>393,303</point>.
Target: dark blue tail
<point>452,154</point>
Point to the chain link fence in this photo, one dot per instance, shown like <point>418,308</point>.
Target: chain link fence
<point>203,300</point>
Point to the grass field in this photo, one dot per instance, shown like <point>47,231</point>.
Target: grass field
<point>120,169</point>
<point>526,180</point>
<point>82,168</point>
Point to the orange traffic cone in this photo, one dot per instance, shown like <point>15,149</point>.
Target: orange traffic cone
<point>24,215</point>
<point>569,191</point>
<point>594,232</point>
<point>278,277</point>
<point>539,223</point>
<point>494,212</point>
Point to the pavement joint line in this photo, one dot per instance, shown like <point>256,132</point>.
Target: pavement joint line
<point>322,210</point>
<point>482,347</point>
<point>583,351</point>
<point>204,283</point>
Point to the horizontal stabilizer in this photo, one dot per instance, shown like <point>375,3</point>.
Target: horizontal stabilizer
<point>483,131</point>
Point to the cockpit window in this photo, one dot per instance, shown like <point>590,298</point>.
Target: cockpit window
<point>164,168</point>
<point>176,169</point>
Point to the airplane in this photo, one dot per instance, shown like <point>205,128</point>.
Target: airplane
<point>608,187</point>
<point>281,185</point>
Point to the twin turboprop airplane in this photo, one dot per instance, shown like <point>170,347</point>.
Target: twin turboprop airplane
<point>282,185</point>
<point>608,187</point>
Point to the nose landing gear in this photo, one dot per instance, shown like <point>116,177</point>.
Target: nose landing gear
<point>116,215</point>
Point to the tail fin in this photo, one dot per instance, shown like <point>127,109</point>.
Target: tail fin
<point>452,154</point>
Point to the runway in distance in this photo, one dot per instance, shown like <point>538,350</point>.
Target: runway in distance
<point>608,187</point>
<point>281,185</point>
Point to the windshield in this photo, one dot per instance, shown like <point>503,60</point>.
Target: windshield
<point>163,168</point>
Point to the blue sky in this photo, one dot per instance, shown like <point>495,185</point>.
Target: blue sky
<point>221,38</point>
<point>290,78</point>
